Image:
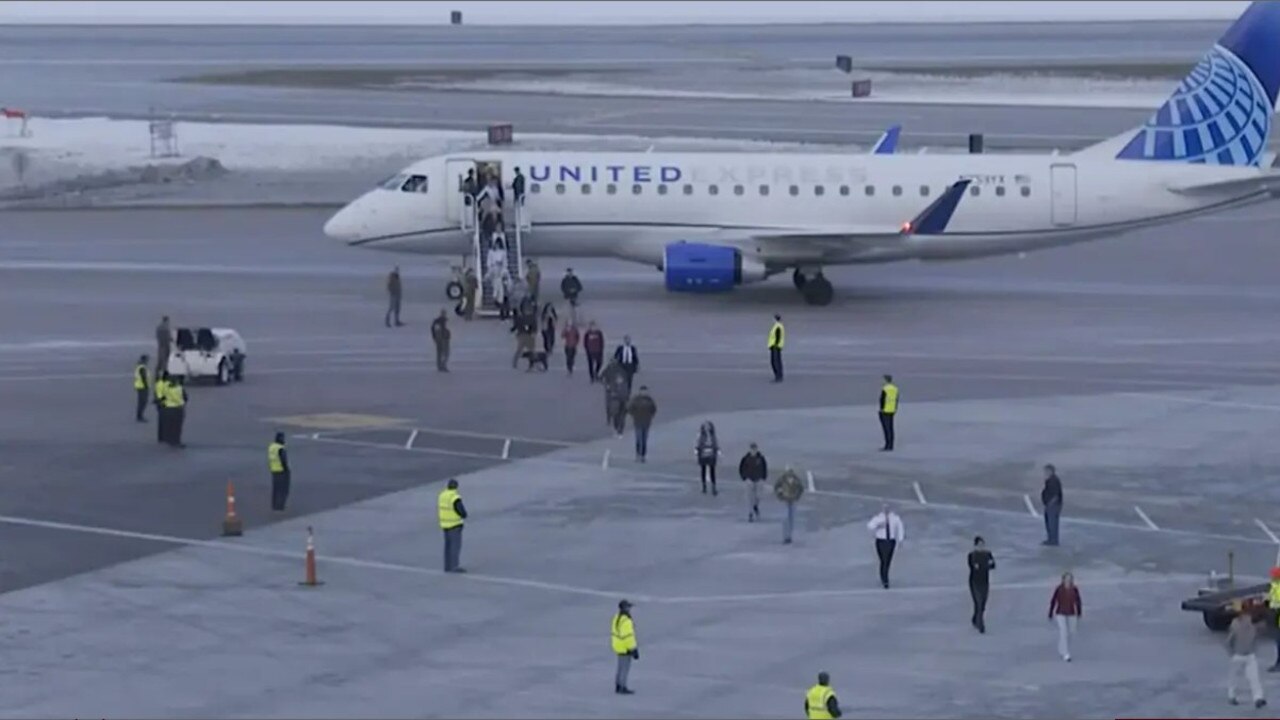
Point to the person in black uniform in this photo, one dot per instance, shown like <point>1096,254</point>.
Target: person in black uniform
<point>141,388</point>
<point>981,563</point>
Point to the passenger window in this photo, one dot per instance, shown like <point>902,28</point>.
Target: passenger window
<point>611,189</point>
<point>738,189</point>
<point>974,190</point>
<point>637,189</point>
<point>794,190</point>
<point>559,188</point>
<point>924,191</point>
<point>764,190</point>
<point>897,190</point>
<point>713,189</point>
<point>819,190</point>
<point>415,184</point>
<point>688,189</point>
<point>1026,191</point>
<point>999,191</point>
<point>844,190</point>
<point>586,189</point>
<point>662,189</point>
<point>870,190</point>
<point>535,188</point>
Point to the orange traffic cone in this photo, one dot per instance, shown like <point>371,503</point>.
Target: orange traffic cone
<point>231,526</point>
<point>311,580</point>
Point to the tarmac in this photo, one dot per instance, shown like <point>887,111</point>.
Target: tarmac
<point>1143,367</point>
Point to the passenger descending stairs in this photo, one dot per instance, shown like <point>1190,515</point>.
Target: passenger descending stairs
<point>515,256</point>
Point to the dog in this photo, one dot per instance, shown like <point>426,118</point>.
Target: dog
<point>536,358</point>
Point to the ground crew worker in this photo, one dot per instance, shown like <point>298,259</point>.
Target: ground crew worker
<point>393,297</point>
<point>888,408</point>
<point>1273,602</point>
<point>440,335</point>
<point>161,389</point>
<point>776,337</point>
<point>164,338</point>
<point>624,646</point>
<point>753,469</point>
<point>141,386</point>
<point>642,408</point>
<point>175,402</point>
<point>278,464</point>
<point>820,702</point>
<point>788,489</point>
<point>452,515</point>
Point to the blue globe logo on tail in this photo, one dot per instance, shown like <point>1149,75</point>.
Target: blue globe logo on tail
<point>1221,113</point>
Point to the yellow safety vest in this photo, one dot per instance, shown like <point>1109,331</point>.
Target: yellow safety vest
<point>816,702</point>
<point>140,377</point>
<point>890,399</point>
<point>624,634</point>
<point>161,387</point>
<point>449,518</point>
<point>776,334</point>
<point>273,457</point>
<point>173,396</point>
<point>1273,595</point>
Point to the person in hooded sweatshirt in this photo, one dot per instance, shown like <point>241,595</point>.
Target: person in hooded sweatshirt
<point>707,451</point>
<point>753,469</point>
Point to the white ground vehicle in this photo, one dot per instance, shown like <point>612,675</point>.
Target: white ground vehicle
<point>218,353</point>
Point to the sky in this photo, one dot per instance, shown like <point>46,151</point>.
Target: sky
<point>598,12</point>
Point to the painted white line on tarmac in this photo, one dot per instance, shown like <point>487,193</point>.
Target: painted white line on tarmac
<point>506,449</point>
<point>408,444</point>
<point>1267,530</point>
<point>919,493</point>
<point>471,434</point>
<point>604,462</point>
<point>1198,401</point>
<point>809,476</point>
<point>1031,508</point>
<point>1145,518</point>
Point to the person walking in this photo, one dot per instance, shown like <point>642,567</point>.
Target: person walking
<point>707,451</point>
<point>753,469</point>
<point>453,515</point>
<point>278,464</point>
<point>887,529</point>
<point>141,388</point>
<point>161,391</point>
<point>820,701</point>
<point>517,190</point>
<point>470,286</point>
<point>571,337</point>
<point>1051,500</point>
<point>1066,609</point>
<point>777,335</point>
<point>533,274</point>
<point>642,409</point>
<point>175,403</point>
<point>1273,604</point>
<point>393,297</point>
<point>616,396</point>
<point>888,410</point>
<point>570,287</point>
<point>788,489</point>
<point>623,640</point>
<point>629,358</point>
<point>548,328</point>
<point>981,563</point>
<point>593,346</point>
<point>164,341</point>
<point>441,336</point>
<point>1242,640</point>
<point>524,326</point>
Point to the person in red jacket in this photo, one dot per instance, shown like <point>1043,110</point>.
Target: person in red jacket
<point>570,337</point>
<point>1066,608</point>
<point>593,346</point>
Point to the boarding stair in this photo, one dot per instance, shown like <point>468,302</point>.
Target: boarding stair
<point>481,243</point>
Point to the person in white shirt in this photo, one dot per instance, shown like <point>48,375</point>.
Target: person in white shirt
<point>887,529</point>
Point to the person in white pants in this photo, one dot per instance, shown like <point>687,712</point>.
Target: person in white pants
<point>1066,608</point>
<point>1242,640</point>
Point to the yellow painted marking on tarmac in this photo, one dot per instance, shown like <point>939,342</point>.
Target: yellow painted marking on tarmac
<point>338,421</point>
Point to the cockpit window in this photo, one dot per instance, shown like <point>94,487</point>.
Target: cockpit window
<point>394,182</point>
<point>415,184</point>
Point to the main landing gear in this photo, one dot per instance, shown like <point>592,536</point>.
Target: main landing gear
<point>815,289</point>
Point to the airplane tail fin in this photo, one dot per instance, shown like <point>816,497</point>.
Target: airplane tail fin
<point>1220,114</point>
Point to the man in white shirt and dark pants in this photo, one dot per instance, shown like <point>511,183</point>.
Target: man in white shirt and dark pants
<point>886,527</point>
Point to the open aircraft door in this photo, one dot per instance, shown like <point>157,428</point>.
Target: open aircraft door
<point>455,171</point>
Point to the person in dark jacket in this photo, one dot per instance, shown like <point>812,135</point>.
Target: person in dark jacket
<point>1051,499</point>
<point>548,328</point>
<point>164,341</point>
<point>617,396</point>
<point>642,409</point>
<point>707,451</point>
<point>393,298</point>
<point>629,358</point>
<point>593,346</point>
<point>441,336</point>
<point>753,469</point>
<point>570,287</point>
<point>517,187</point>
<point>981,563</point>
<point>141,388</point>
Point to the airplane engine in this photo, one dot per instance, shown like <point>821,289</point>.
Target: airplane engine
<point>697,267</point>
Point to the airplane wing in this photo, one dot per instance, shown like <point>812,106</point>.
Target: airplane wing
<point>817,244</point>
<point>1262,182</point>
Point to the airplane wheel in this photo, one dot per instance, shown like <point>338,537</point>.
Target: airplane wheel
<point>453,290</point>
<point>818,291</point>
<point>798,279</point>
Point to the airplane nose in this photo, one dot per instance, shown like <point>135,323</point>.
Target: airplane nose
<point>344,226</point>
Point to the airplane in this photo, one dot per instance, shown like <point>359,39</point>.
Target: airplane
<point>712,221</point>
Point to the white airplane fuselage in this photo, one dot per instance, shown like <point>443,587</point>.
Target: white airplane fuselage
<point>632,205</point>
